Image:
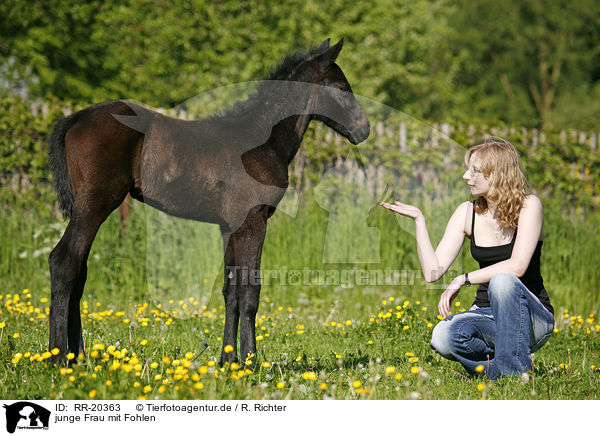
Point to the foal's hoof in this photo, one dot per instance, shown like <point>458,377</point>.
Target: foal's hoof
<point>228,358</point>
<point>58,360</point>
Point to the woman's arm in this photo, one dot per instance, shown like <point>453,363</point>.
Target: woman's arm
<point>530,228</point>
<point>434,264</point>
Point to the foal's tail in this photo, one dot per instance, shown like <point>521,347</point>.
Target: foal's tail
<point>58,164</point>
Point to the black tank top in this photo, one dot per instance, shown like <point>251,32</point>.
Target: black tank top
<point>487,256</point>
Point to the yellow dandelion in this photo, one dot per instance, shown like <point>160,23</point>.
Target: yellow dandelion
<point>309,376</point>
<point>211,363</point>
<point>2,325</point>
<point>323,386</point>
<point>390,370</point>
<point>108,382</point>
<point>480,387</point>
<point>198,386</point>
<point>54,351</point>
<point>71,356</point>
<point>398,376</point>
<point>147,389</point>
<point>92,393</point>
<point>228,348</point>
<point>266,365</point>
<point>414,370</point>
<point>280,385</point>
<point>356,384</point>
<point>479,368</point>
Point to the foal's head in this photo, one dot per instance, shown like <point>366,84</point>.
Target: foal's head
<point>331,100</point>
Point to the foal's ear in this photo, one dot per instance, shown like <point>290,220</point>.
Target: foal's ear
<point>325,44</point>
<point>330,55</point>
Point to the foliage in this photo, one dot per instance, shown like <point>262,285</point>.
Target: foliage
<point>517,57</point>
<point>519,62</point>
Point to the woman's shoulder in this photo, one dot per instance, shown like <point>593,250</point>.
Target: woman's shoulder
<point>464,209</point>
<point>532,202</point>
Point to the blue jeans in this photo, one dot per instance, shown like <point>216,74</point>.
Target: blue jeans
<point>500,337</point>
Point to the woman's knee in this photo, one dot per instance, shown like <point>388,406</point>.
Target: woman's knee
<point>441,338</point>
<point>503,286</point>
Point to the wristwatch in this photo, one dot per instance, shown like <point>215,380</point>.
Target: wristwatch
<point>467,281</point>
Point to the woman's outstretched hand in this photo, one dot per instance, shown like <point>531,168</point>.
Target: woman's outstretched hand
<point>448,297</point>
<point>403,209</point>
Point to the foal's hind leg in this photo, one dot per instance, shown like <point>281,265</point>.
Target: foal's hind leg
<point>68,271</point>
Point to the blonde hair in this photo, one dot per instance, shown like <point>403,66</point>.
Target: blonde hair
<point>501,166</point>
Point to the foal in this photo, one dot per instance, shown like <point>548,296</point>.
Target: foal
<point>229,169</point>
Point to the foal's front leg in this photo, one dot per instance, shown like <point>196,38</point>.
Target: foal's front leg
<point>232,313</point>
<point>252,236</point>
<point>242,292</point>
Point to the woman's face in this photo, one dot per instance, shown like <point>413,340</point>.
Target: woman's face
<point>477,182</point>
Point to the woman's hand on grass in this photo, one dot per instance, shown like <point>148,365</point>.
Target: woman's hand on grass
<point>448,296</point>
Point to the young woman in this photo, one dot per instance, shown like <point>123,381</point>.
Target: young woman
<point>512,315</point>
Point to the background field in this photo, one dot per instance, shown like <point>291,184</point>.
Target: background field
<point>344,341</point>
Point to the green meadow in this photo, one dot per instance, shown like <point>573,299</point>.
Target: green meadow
<point>153,312</point>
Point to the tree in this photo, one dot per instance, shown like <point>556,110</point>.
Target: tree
<point>530,51</point>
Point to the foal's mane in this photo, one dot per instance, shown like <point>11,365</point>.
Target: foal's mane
<point>281,72</point>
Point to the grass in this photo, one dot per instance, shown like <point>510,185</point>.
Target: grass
<point>153,318</point>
